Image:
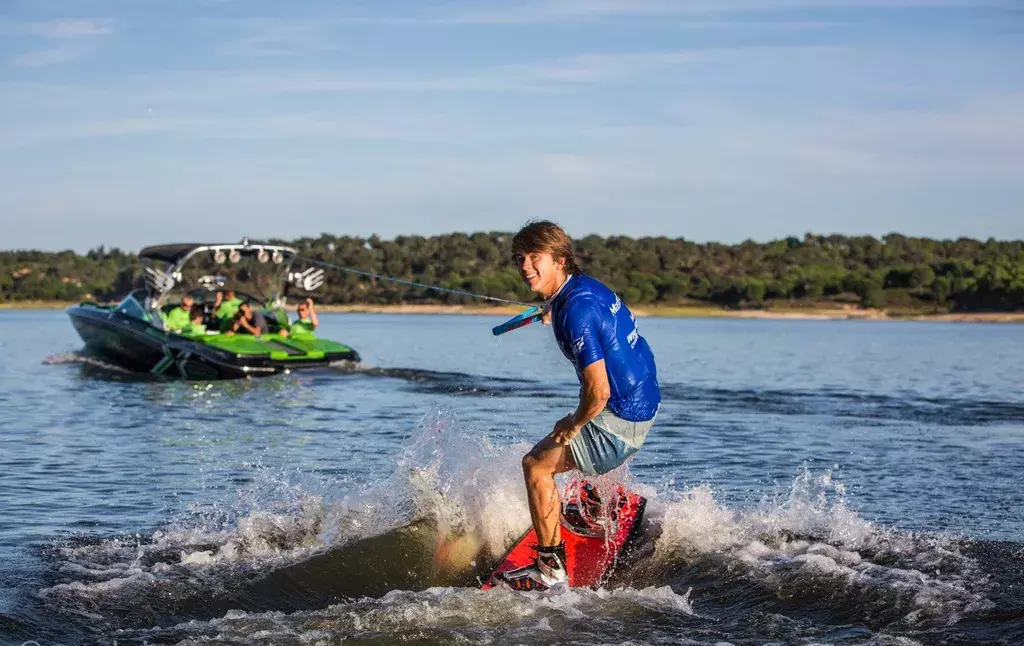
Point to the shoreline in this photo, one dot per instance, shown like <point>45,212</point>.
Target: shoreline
<point>665,311</point>
<point>806,314</point>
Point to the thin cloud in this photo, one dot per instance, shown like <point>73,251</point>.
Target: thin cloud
<point>702,13</point>
<point>205,89</point>
<point>65,29</point>
<point>983,137</point>
<point>976,139</point>
<point>72,31</point>
<point>75,28</point>
<point>278,38</point>
<point>45,57</point>
<point>599,68</point>
<point>584,170</point>
<point>570,10</point>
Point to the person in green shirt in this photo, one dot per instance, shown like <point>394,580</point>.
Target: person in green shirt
<point>195,326</point>
<point>307,321</point>
<point>226,305</point>
<point>178,318</point>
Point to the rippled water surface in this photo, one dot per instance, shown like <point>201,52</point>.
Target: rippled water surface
<point>809,482</point>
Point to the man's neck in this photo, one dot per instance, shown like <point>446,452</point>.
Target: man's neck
<point>561,284</point>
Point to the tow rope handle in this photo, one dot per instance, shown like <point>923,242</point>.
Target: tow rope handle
<point>522,320</point>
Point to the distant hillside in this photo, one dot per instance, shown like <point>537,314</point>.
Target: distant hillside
<point>895,272</point>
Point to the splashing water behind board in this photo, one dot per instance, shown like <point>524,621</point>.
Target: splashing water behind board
<point>452,504</point>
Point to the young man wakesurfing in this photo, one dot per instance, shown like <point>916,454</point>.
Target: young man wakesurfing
<point>619,393</point>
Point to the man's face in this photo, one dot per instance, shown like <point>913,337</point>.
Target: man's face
<point>540,272</point>
<point>245,310</point>
<point>229,295</point>
<point>303,310</point>
<point>187,302</point>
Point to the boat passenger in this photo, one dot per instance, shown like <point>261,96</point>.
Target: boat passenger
<point>248,321</point>
<point>177,319</point>
<point>226,305</point>
<point>307,321</point>
<point>195,326</point>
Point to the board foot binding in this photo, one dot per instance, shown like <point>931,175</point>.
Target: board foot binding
<point>548,571</point>
<point>585,513</point>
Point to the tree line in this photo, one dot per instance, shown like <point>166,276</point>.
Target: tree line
<point>895,271</point>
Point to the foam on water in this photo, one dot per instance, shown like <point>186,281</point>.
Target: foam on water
<point>804,543</point>
<point>443,615</point>
<point>470,489</point>
<point>808,542</point>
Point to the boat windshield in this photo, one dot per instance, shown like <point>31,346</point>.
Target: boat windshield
<point>132,307</point>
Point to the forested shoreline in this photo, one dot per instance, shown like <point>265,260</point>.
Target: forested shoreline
<point>894,272</point>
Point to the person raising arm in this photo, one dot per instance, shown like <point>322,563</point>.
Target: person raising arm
<point>307,321</point>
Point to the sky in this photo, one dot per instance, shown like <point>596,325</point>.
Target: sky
<point>133,122</point>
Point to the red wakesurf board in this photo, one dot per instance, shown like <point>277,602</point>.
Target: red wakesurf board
<point>595,536</point>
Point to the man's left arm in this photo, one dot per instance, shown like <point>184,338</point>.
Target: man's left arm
<point>312,314</point>
<point>595,392</point>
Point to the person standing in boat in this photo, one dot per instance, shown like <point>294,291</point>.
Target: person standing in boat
<point>307,322</point>
<point>226,305</point>
<point>619,392</point>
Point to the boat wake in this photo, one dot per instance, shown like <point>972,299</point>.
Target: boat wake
<point>401,560</point>
<point>458,383</point>
<point>87,362</point>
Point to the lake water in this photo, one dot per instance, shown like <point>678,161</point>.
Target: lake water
<point>809,482</point>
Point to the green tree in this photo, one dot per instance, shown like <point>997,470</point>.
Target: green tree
<point>960,274</point>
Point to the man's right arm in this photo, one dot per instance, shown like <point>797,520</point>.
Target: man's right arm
<point>583,326</point>
<point>595,391</point>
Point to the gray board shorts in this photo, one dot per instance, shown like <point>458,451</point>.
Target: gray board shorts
<point>607,441</point>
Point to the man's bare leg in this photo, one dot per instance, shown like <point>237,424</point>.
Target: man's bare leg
<point>540,466</point>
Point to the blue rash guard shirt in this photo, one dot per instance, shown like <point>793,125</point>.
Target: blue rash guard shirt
<point>591,323</point>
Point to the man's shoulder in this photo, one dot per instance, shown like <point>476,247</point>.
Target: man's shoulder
<point>586,297</point>
<point>585,291</point>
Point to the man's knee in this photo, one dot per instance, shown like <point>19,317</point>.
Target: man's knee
<point>534,468</point>
<point>529,463</point>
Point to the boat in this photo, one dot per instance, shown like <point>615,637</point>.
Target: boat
<point>132,334</point>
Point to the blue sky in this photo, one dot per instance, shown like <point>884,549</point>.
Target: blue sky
<point>127,123</point>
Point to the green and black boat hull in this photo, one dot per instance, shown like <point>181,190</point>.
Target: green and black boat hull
<point>139,346</point>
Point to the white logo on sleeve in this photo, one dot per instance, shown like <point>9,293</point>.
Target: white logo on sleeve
<point>615,306</point>
<point>633,337</point>
<point>577,346</point>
